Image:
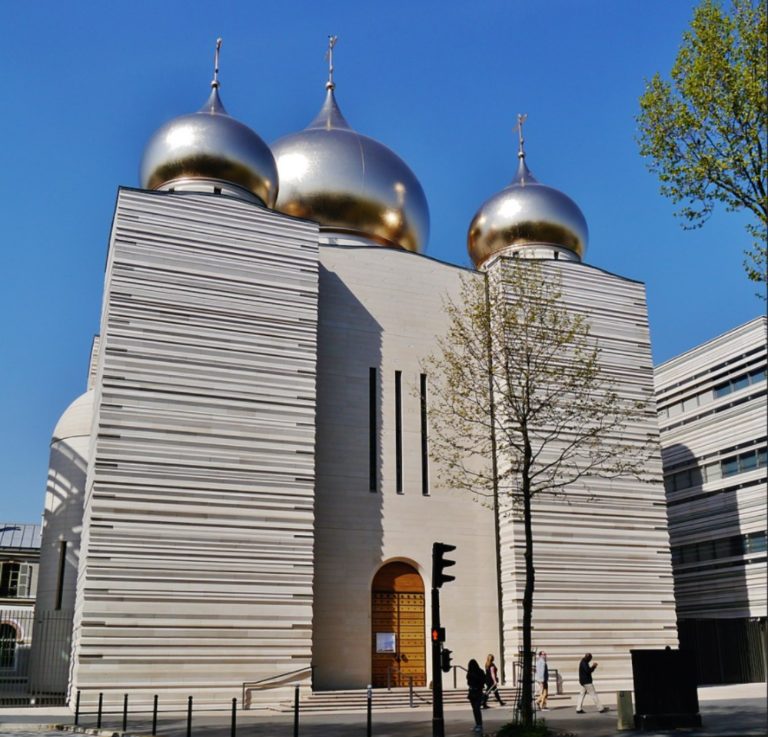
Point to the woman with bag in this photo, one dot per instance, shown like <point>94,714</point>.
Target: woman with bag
<point>491,681</point>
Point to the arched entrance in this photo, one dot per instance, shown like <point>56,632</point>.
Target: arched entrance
<point>397,626</point>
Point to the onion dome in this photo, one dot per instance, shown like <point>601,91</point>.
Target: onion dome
<point>77,418</point>
<point>528,217</point>
<point>209,146</point>
<point>348,182</point>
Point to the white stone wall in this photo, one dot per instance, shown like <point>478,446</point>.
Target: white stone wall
<point>382,308</point>
<point>63,515</point>
<point>197,564</point>
<point>601,551</point>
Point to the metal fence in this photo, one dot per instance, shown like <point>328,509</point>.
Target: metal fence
<point>34,656</point>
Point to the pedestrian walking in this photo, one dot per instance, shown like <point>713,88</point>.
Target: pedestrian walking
<point>491,681</point>
<point>587,687</point>
<point>542,680</point>
<point>475,683</point>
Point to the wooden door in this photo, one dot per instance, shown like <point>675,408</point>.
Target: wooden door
<point>397,627</point>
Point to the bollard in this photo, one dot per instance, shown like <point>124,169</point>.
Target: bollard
<point>454,675</point>
<point>296,712</point>
<point>98,716</point>
<point>77,709</point>
<point>154,716</point>
<point>625,711</point>
<point>189,717</point>
<point>368,721</point>
<point>233,730</point>
<point>410,691</point>
<point>125,712</point>
<point>389,678</point>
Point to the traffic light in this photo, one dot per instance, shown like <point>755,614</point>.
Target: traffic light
<point>439,563</point>
<point>438,634</point>
<point>445,660</point>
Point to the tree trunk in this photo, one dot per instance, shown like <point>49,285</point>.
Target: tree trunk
<point>527,697</point>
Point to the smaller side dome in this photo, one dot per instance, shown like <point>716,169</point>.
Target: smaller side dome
<point>525,216</point>
<point>210,145</point>
<point>77,418</point>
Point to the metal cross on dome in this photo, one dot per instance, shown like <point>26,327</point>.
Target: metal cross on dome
<point>329,55</point>
<point>215,82</point>
<point>521,118</point>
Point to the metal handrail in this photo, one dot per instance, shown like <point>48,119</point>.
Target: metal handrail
<point>455,668</point>
<point>391,668</point>
<point>263,683</point>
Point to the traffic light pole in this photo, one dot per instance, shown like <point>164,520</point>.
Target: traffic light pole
<point>438,724</point>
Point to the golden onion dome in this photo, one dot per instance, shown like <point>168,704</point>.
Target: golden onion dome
<point>527,216</point>
<point>212,146</point>
<point>350,183</point>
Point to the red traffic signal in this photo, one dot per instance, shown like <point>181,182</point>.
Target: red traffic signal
<point>438,634</point>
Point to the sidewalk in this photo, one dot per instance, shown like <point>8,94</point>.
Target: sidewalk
<point>727,711</point>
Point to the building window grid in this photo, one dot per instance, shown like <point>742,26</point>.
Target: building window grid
<point>719,390</point>
<point>725,468</point>
<point>717,369</point>
<point>727,547</point>
<point>716,492</point>
<point>739,382</point>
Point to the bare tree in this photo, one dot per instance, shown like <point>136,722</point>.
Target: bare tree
<point>522,405</point>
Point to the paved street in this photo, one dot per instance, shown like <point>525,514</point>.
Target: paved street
<point>735,711</point>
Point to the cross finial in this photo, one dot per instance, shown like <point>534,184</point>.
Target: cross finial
<point>215,81</point>
<point>329,85</point>
<point>521,118</point>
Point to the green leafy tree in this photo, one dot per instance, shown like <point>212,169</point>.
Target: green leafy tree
<point>704,131</point>
<point>522,405</point>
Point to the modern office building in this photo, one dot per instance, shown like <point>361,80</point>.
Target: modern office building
<point>246,494</point>
<point>712,414</point>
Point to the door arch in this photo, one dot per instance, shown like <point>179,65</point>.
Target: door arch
<point>397,626</point>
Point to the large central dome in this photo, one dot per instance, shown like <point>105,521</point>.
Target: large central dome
<point>350,183</point>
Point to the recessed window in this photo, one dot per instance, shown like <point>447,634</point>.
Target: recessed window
<point>424,436</point>
<point>8,639</point>
<point>372,428</point>
<point>398,432</point>
<point>15,579</point>
<point>60,577</point>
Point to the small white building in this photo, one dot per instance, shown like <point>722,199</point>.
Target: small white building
<point>712,414</point>
<point>255,500</point>
<point>19,562</point>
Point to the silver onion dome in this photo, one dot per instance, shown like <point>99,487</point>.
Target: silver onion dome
<point>526,214</point>
<point>350,183</point>
<point>210,145</point>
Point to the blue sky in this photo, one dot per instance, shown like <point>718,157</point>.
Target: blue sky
<point>440,82</point>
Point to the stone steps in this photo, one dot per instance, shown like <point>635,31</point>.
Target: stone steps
<point>396,698</point>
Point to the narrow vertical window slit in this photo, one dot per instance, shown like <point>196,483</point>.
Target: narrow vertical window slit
<point>372,455</point>
<point>60,577</point>
<point>424,438</point>
<point>398,432</point>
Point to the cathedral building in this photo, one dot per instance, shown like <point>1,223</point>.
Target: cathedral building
<point>245,493</point>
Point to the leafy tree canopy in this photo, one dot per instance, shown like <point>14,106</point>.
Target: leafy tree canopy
<point>703,132</point>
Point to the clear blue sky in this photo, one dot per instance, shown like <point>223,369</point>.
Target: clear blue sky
<point>440,82</point>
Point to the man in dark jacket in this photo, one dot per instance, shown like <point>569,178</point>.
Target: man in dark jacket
<point>586,668</point>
